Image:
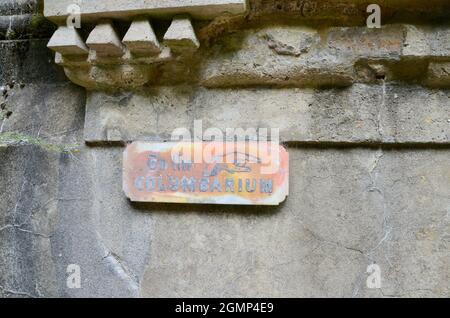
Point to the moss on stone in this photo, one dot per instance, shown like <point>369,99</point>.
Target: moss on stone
<point>40,26</point>
<point>14,138</point>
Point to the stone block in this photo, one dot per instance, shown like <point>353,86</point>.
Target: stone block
<point>28,213</point>
<point>348,208</point>
<point>56,10</point>
<point>105,41</point>
<point>28,61</point>
<point>141,39</point>
<point>361,114</point>
<point>67,41</point>
<point>354,43</point>
<point>277,56</point>
<point>423,42</point>
<point>438,74</point>
<point>369,180</point>
<point>281,56</point>
<point>180,36</point>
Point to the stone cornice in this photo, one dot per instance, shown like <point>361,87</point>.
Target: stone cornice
<point>158,44</point>
<point>93,10</point>
<point>110,58</point>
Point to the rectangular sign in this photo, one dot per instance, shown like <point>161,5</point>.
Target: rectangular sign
<point>238,173</point>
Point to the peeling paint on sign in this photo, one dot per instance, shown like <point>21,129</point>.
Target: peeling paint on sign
<point>242,173</point>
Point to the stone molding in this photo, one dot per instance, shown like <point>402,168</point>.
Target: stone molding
<point>106,59</point>
<point>157,43</point>
<point>362,114</point>
<point>94,10</point>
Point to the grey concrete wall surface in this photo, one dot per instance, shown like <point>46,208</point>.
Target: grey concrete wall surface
<point>369,172</point>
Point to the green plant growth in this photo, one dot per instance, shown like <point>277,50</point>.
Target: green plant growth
<point>13,138</point>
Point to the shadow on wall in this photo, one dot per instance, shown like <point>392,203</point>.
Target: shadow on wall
<point>210,209</point>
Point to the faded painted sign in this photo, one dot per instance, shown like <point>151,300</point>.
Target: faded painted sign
<point>247,173</point>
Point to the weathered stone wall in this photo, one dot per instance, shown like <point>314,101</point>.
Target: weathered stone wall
<point>365,115</point>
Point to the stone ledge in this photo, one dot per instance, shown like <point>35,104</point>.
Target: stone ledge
<point>361,114</point>
<point>347,12</point>
<point>28,61</point>
<point>336,57</point>
<point>110,59</point>
<point>93,10</point>
<point>439,74</point>
<point>281,56</point>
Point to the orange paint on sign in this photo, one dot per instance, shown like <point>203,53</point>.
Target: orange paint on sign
<point>247,173</point>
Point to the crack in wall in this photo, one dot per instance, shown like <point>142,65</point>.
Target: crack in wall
<point>120,268</point>
<point>16,293</point>
<point>19,228</point>
<point>374,174</point>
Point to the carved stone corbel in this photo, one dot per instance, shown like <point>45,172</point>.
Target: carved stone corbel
<point>99,56</point>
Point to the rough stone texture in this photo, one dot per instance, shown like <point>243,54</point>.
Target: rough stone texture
<point>46,217</point>
<point>439,74</point>
<point>346,11</point>
<point>124,9</point>
<point>67,41</point>
<point>41,100</point>
<point>141,39</point>
<point>104,40</point>
<point>370,175</point>
<point>181,36</point>
<point>53,215</point>
<point>317,244</point>
<point>338,56</point>
<point>321,241</point>
<point>369,114</point>
<point>280,56</point>
<point>249,59</point>
<point>22,19</point>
